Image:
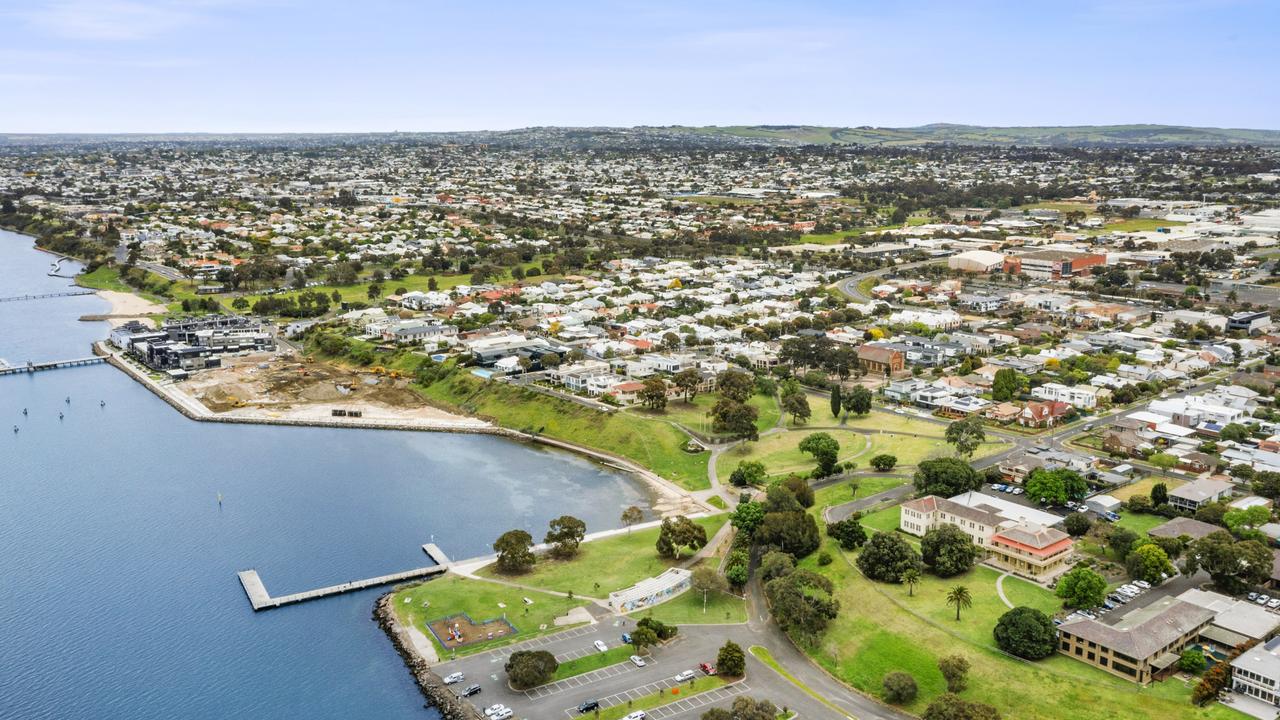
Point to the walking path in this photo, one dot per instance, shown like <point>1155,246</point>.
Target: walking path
<point>1000,589</point>
<point>836,513</point>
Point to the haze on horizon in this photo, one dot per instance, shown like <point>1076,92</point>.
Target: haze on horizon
<point>291,66</point>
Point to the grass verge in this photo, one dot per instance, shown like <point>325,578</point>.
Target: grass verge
<point>594,661</point>
<point>662,697</point>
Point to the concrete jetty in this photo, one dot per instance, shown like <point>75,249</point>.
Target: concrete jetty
<point>31,367</point>
<point>42,296</point>
<point>260,599</point>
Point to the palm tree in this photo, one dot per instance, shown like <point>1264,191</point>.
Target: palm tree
<point>960,597</point>
<point>911,577</point>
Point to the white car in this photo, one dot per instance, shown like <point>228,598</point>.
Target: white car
<point>1142,584</point>
<point>1263,599</point>
<point>1273,603</point>
<point>601,646</point>
<point>637,715</point>
<point>686,675</point>
<point>505,714</point>
<point>637,661</point>
<point>454,678</point>
<point>494,709</point>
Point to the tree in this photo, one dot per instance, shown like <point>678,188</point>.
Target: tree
<point>1006,385</point>
<point>1234,565</point>
<point>858,401</point>
<point>679,533</point>
<point>775,564</point>
<point>1212,683</point>
<point>1242,520</point>
<point>1025,632</point>
<point>848,533</point>
<point>643,637</point>
<point>1192,661</point>
<point>886,556</point>
<point>1055,486</point>
<point>792,532</point>
<point>966,435</point>
<point>948,550</point>
<point>802,602</point>
<point>899,688</point>
<point>1077,524</point>
<point>736,419</point>
<point>1121,540</point>
<point>747,517</point>
<point>946,477</point>
<point>564,535</point>
<point>731,661</point>
<point>955,670</point>
<point>824,449</point>
<point>949,706</point>
<point>1149,562</point>
<point>530,668</point>
<point>746,708</point>
<point>687,380</point>
<point>779,498</point>
<point>959,597</point>
<point>797,406</point>
<point>1082,587</point>
<point>800,489</point>
<point>911,578</point>
<point>654,393</point>
<point>1159,495</point>
<point>515,554</point>
<point>835,401</point>
<point>748,472</point>
<point>735,385</point>
<point>1164,461</point>
<point>1234,432</point>
<point>706,581</point>
<point>632,516</point>
<point>884,462</point>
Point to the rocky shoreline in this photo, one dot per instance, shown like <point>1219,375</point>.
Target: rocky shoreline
<point>432,686</point>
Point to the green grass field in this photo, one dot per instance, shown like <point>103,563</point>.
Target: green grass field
<point>651,442</point>
<point>687,609</point>
<point>452,594</point>
<point>1140,522</point>
<point>781,454</point>
<point>885,520</point>
<point>594,661</point>
<point>880,629</point>
<point>1143,487</point>
<point>605,565</point>
<point>696,415</point>
<point>836,238</point>
<point>838,493</point>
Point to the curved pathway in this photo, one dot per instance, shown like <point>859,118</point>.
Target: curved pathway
<point>836,513</point>
<point>1000,590</point>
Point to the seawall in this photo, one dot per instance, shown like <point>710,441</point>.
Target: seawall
<point>432,686</point>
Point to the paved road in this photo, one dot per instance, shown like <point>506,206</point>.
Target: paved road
<point>849,286</point>
<point>836,513</point>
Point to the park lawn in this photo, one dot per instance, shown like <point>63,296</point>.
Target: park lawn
<point>884,520</point>
<point>696,415</point>
<point>605,565</point>
<point>662,697</point>
<point>107,277</point>
<point>452,594</point>
<point>687,609</point>
<point>1135,225</point>
<point>1140,522</point>
<point>1143,487</point>
<point>873,635</point>
<point>594,661</point>
<point>653,443</point>
<point>836,238</point>
<point>838,493</point>
<point>892,422</point>
<point>780,452</point>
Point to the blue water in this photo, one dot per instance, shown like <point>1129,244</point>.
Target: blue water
<point>118,595</point>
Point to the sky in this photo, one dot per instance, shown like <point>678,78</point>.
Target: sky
<point>426,65</point>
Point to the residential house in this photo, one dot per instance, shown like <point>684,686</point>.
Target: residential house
<point>880,360</point>
<point>1197,493</point>
<point>1142,646</point>
<point>1043,414</point>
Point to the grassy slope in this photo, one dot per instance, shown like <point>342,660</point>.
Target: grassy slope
<point>452,594</point>
<point>605,565</point>
<point>653,443</point>
<point>687,609</point>
<point>781,454</point>
<point>694,415</point>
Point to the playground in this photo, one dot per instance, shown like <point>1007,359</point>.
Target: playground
<point>458,631</point>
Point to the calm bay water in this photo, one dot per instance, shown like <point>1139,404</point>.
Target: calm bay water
<point>118,595</point>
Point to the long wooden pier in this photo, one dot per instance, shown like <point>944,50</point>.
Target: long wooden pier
<point>260,599</point>
<point>42,296</point>
<point>31,367</point>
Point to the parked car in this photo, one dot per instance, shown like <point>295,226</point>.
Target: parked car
<point>1274,603</point>
<point>637,715</point>
<point>588,706</point>
<point>494,709</point>
<point>998,486</point>
<point>707,668</point>
<point>504,715</point>
<point>1113,517</point>
<point>471,690</point>
<point>1018,491</point>
<point>601,646</point>
<point>1142,584</point>
<point>452,678</point>
<point>1253,596</point>
<point>637,661</point>
<point>1263,599</point>
<point>682,677</point>
<point>626,638</point>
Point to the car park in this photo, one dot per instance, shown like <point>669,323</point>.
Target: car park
<point>637,661</point>
<point>707,668</point>
<point>601,646</point>
<point>682,677</point>
<point>471,690</point>
<point>588,706</point>
<point>454,678</point>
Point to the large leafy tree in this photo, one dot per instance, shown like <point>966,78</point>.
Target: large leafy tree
<point>747,517</point>
<point>802,602</point>
<point>966,435</point>
<point>687,381</point>
<point>748,472</point>
<point>948,550</point>
<point>735,418</point>
<point>678,533</point>
<point>654,393</point>
<point>795,533</point>
<point>1055,486</point>
<point>1233,564</point>
<point>1006,385</point>
<point>825,451</point>
<point>848,533</point>
<point>731,661</point>
<point>949,706</point>
<point>565,535</point>
<point>858,401</point>
<point>1025,632</point>
<point>797,406</point>
<point>736,385</point>
<point>1149,562</point>
<point>886,556</point>
<point>946,477</point>
<point>1082,587</point>
<point>515,551</point>
<point>530,668</point>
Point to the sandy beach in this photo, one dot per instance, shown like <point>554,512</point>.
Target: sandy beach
<point>127,306</point>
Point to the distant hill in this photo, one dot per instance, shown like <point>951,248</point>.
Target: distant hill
<point>1077,135</point>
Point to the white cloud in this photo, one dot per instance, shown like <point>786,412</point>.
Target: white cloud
<point>114,20</point>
